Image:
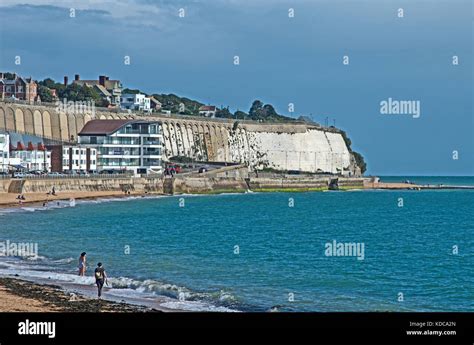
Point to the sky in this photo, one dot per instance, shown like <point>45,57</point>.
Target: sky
<point>283,59</point>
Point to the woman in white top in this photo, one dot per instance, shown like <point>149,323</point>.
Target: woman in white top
<point>82,264</point>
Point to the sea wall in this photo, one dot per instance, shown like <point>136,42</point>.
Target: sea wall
<point>4,184</point>
<point>262,184</point>
<point>197,185</point>
<point>91,184</point>
<point>180,184</point>
<point>285,146</point>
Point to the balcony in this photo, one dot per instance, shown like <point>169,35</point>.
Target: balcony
<point>119,152</point>
<point>151,152</point>
<point>152,162</point>
<point>152,142</point>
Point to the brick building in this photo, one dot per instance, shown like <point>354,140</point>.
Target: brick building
<point>17,87</point>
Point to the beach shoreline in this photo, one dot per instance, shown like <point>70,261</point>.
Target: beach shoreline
<point>19,295</point>
<point>8,200</point>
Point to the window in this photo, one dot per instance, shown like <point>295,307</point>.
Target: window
<point>77,152</point>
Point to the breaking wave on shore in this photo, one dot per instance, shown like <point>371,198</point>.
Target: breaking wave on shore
<point>148,292</point>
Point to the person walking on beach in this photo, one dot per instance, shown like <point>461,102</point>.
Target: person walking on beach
<point>100,278</point>
<point>82,264</point>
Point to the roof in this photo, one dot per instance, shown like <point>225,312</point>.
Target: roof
<point>154,100</point>
<point>109,84</point>
<point>103,127</point>
<point>103,90</point>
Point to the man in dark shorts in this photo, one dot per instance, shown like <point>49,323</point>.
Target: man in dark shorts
<point>100,278</point>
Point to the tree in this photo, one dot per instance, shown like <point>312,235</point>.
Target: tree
<point>269,111</point>
<point>45,94</point>
<point>70,92</point>
<point>360,161</point>
<point>48,82</point>
<point>8,75</point>
<point>357,156</point>
<point>131,91</point>
<point>256,109</point>
<point>224,113</point>
<point>240,115</point>
<point>51,84</point>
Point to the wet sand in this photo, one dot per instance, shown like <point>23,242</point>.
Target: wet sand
<point>22,296</point>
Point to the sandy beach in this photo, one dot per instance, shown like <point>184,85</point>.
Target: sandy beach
<point>22,296</point>
<point>10,199</point>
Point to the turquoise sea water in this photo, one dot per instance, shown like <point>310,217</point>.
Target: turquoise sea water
<point>191,252</point>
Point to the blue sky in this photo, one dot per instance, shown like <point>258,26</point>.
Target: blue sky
<point>282,60</point>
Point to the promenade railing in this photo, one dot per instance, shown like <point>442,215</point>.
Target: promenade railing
<point>68,176</point>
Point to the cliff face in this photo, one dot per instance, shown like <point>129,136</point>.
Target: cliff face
<point>297,147</point>
<point>291,146</point>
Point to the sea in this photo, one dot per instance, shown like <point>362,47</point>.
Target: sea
<point>334,251</point>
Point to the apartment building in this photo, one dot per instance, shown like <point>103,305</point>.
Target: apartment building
<point>132,145</point>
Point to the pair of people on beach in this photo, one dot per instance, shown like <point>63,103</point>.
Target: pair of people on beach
<point>20,198</point>
<point>52,192</point>
<point>99,273</point>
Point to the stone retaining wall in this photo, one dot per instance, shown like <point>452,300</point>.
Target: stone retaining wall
<point>91,184</point>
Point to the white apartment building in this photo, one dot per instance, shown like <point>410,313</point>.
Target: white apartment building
<point>78,158</point>
<point>28,159</point>
<point>135,102</point>
<point>132,145</point>
<point>4,152</point>
<point>23,157</point>
<point>208,111</point>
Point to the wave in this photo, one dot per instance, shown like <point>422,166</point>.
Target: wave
<point>60,204</point>
<point>171,296</point>
<point>40,208</point>
<point>34,258</point>
<point>65,260</point>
